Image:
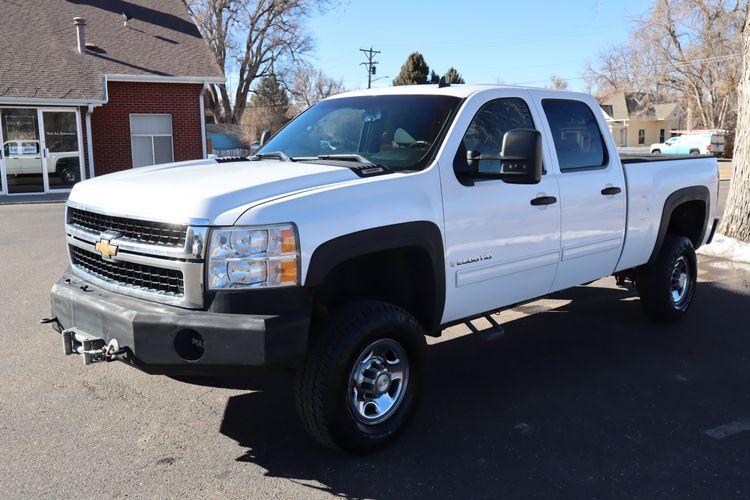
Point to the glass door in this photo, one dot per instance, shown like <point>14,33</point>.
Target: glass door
<point>61,148</point>
<point>22,151</point>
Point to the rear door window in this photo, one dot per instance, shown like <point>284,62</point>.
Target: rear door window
<point>578,141</point>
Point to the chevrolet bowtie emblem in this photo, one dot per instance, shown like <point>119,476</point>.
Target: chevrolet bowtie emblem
<point>106,249</point>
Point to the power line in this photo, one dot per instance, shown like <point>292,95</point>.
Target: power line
<point>370,63</point>
<point>677,64</point>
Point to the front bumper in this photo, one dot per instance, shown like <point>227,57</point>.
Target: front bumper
<point>162,339</point>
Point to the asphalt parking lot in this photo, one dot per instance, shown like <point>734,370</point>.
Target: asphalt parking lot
<point>582,397</point>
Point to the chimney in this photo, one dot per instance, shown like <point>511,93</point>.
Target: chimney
<point>80,24</point>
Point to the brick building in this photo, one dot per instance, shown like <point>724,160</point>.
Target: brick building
<point>93,87</point>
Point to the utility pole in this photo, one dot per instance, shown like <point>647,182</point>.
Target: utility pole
<point>369,64</point>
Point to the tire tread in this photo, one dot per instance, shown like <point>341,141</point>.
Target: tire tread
<point>328,344</point>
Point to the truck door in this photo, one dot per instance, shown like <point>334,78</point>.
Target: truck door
<point>592,192</point>
<point>12,152</point>
<point>500,248</point>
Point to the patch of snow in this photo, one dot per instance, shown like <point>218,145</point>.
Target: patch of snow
<point>727,248</point>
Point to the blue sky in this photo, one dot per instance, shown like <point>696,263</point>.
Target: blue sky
<point>521,42</point>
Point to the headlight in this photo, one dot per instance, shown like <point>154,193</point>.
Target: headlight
<point>253,257</point>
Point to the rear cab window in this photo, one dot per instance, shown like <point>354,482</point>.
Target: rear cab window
<point>579,144</point>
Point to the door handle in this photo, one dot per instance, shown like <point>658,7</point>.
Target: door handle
<point>609,191</point>
<point>544,200</point>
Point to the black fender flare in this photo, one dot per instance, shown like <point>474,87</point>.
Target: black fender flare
<point>425,235</point>
<point>684,195</point>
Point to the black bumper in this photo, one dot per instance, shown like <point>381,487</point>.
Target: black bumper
<point>162,339</point>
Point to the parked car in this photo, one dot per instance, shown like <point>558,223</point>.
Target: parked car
<point>440,205</point>
<point>24,157</point>
<point>691,144</point>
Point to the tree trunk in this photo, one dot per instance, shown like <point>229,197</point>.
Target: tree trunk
<point>736,220</point>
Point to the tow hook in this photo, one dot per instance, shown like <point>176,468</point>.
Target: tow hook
<point>93,349</point>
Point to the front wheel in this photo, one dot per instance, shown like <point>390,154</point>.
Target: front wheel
<point>667,286</point>
<point>656,152</point>
<point>359,384</point>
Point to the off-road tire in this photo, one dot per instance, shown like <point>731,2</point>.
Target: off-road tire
<point>322,385</point>
<point>655,281</point>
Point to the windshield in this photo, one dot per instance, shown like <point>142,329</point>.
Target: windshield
<point>397,131</point>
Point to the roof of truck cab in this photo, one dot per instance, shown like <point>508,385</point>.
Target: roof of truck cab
<point>456,90</point>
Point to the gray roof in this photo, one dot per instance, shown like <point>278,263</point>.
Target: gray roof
<point>621,106</point>
<point>39,56</point>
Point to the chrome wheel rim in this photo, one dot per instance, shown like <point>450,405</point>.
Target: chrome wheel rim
<point>378,381</point>
<point>680,281</point>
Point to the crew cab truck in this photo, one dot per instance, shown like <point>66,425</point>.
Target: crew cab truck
<point>371,220</point>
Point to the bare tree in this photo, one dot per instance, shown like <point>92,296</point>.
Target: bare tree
<point>681,49</point>
<point>736,219</point>
<point>250,39</point>
<point>310,85</point>
<point>558,82</point>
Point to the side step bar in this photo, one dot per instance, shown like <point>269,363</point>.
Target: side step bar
<point>494,332</point>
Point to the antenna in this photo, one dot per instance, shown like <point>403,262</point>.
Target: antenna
<point>370,64</point>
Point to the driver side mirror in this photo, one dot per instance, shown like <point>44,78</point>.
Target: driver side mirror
<point>520,159</point>
<point>264,136</point>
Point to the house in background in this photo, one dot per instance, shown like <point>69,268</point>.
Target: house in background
<point>634,122</point>
<point>92,87</point>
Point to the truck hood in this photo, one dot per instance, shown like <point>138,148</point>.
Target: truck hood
<point>201,191</point>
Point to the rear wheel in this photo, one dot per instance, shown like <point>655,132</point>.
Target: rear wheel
<point>695,152</point>
<point>667,286</point>
<point>358,386</point>
<point>69,175</point>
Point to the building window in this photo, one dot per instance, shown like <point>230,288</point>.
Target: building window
<point>641,136</point>
<point>661,135</point>
<point>151,139</point>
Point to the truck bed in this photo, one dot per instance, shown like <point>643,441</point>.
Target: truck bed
<point>650,180</point>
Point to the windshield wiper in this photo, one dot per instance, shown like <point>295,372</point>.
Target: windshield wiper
<point>279,155</point>
<point>364,167</point>
<point>346,157</point>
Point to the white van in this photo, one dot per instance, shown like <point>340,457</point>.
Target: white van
<point>691,144</point>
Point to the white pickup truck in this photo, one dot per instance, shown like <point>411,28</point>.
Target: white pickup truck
<point>24,157</point>
<point>371,220</point>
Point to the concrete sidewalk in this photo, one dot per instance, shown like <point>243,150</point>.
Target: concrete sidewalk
<point>17,199</point>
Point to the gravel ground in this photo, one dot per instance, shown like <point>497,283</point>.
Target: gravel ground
<point>578,399</point>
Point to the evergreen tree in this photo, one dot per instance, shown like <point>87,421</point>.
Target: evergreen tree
<point>414,71</point>
<point>434,78</point>
<point>269,107</point>
<point>453,76</point>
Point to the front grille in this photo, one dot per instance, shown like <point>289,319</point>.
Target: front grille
<point>129,274</point>
<point>151,233</point>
